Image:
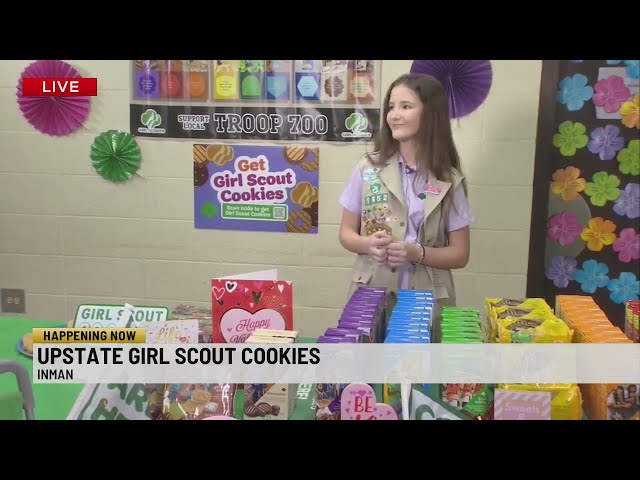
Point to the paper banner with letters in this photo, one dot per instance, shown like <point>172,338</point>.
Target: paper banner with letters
<point>259,188</point>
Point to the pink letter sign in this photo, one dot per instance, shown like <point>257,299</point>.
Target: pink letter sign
<point>359,403</point>
<point>521,405</point>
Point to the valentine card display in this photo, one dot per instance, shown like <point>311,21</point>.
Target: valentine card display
<point>358,402</point>
<point>255,187</point>
<point>242,306</point>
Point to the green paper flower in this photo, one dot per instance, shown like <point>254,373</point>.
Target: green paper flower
<point>603,188</point>
<point>629,158</point>
<point>571,137</point>
<point>115,155</point>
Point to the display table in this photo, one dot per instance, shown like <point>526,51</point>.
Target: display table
<point>54,401</point>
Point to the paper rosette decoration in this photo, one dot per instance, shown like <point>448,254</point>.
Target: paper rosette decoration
<point>115,155</point>
<point>467,82</point>
<point>56,116</point>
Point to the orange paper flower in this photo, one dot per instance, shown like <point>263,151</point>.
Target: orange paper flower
<point>599,233</point>
<point>567,184</point>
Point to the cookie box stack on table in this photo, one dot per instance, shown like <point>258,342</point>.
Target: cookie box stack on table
<point>530,320</point>
<point>270,401</point>
<point>410,322</point>
<point>632,320</point>
<point>591,324</point>
<point>361,318</point>
<point>465,326</point>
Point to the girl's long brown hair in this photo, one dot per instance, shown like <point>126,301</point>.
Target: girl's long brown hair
<point>435,149</point>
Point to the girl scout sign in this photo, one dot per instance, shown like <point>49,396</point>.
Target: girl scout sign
<point>111,316</point>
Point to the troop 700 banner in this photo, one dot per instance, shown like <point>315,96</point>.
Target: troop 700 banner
<point>120,355</point>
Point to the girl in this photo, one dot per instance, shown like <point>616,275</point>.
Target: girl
<point>405,208</point>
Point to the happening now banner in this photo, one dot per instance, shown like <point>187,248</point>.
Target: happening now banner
<point>290,100</point>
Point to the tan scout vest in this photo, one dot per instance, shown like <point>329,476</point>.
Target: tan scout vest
<point>382,191</point>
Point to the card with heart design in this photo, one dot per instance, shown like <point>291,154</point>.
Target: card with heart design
<point>359,403</point>
<point>174,331</point>
<point>241,306</point>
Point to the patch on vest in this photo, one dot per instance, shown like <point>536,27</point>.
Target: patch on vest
<point>370,175</point>
<point>379,198</point>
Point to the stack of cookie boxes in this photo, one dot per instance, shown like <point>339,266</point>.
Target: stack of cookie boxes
<point>362,318</point>
<point>270,401</point>
<point>591,325</point>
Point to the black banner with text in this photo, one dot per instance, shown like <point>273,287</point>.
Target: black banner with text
<point>254,123</point>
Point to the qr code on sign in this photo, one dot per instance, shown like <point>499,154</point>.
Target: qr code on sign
<point>279,213</point>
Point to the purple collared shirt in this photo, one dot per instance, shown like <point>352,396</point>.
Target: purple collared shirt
<point>459,217</point>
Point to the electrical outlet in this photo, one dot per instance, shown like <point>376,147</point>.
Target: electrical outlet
<point>12,300</point>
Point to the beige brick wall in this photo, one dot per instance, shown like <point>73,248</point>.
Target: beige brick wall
<point>68,237</point>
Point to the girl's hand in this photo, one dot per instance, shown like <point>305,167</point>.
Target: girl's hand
<point>378,243</point>
<point>399,253</point>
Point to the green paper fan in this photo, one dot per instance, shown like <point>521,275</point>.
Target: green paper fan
<point>115,155</point>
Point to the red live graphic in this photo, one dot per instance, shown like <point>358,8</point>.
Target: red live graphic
<point>59,87</point>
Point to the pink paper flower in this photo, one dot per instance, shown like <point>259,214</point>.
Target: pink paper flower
<point>564,228</point>
<point>611,93</point>
<point>627,245</point>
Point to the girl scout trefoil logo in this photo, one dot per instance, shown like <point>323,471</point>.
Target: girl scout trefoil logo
<point>357,124</point>
<point>151,121</point>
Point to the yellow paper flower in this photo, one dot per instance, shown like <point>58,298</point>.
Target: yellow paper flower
<point>630,112</point>
<point>599,233</point>
<point>567,183</point>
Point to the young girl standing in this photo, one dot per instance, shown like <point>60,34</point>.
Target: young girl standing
<point>405,208</point>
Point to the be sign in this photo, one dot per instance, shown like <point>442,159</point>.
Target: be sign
<point>59,87</point>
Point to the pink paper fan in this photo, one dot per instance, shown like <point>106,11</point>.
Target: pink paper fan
<point>56,116</point>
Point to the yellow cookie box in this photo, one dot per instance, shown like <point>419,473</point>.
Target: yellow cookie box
<point>566,399</point>
<point>534,329</point>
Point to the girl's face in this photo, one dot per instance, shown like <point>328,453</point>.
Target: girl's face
<point>405,112</point>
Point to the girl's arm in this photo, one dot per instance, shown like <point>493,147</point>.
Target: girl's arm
<point>453,256</point>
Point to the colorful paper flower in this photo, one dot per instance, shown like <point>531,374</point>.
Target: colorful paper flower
<point>630,112</point>
<point>592,276</point>
<point>633,68</point>
<point>603,188</point>
<point>571,137</point>
<point>599,233</point>
<point>115,155</point>
<point>627,245</point>
<point>629,158</point>
<point>606,142</point>
<point>573,92</point>
<point>561,270</point>
<point>564,228</point>
<point>624,288</point>
<point>567,183</point>
<point>610,93</point>
<point>628,203</point>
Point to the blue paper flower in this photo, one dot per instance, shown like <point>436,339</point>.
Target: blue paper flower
<point>592,276</point>
<point>633,68</point>
<point>625,287</point>
<point>562,270</point>
<point>613,62</point>
<point>574,91</point>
